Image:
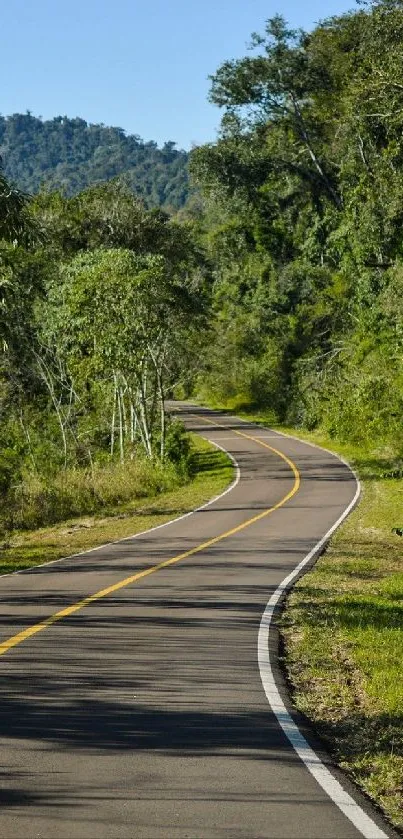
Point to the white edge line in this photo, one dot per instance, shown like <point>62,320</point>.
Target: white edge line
<point>232,486</point>
<point>343,800</point>
<point>367,827</point>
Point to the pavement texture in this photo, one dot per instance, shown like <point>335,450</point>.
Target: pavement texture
<point>143,713</point>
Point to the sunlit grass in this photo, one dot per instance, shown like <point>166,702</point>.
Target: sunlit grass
<point>343,627</point>
<point>212,471</point>
<point>343,631</point>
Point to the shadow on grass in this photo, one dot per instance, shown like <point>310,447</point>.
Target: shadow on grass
<point>349,611</point>
<point>379,468</point>
<point>207,461</point>
<point>359,735</point>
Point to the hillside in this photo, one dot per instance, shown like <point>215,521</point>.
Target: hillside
<point>70,154</point>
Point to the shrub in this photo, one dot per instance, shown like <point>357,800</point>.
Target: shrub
<point>38,501</point>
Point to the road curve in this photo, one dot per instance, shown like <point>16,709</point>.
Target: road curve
<point>132,703</point>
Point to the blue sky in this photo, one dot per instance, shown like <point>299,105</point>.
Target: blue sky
<point>139,65</point>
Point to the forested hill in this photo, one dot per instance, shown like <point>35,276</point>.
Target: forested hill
<point>70,154</point>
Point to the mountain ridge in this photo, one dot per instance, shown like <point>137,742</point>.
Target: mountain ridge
<point>71,154</point>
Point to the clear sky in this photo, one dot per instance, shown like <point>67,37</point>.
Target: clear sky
<point>139,65</point>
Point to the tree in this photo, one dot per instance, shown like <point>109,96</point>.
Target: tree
<point>304,218</point>
<point>128,318</point>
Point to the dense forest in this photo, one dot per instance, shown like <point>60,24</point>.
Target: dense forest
<point>284,291</point>
<point>303,224</point>
<point>100,300</point>
<point>70,155</point>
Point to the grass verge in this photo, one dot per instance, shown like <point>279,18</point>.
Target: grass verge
<point>343,631</point>
<point>211,470</point>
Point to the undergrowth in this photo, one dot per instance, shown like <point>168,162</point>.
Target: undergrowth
<point>135,503</point>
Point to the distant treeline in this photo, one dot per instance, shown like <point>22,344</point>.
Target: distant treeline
<point>70,155</point>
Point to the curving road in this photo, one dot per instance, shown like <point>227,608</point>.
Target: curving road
<point>135,698</point>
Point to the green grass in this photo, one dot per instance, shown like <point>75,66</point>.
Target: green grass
<point>343,630</point>
<point>211,471</point>
<point>39,500</point>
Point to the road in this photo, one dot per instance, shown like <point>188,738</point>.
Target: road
<point>148,710</point>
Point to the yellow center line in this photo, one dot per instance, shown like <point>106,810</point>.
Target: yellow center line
<point>86,601</point>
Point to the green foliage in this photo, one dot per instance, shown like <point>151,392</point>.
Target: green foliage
<point>9,463</point>
<point>100,316</point>
<point>70,155</point>
<point>211,471</point>
<point>41,500</point>
<point>304,225</point>
<point>279,288</point>
<point>12,211</point>
<point>177,446</point>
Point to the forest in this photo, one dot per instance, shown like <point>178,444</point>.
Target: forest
<point>70,155</point>
<point>100,301</point>
<point>280,288</point>
<point>303,225</point>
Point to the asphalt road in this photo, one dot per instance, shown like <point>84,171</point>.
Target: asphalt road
<point>142,713</point>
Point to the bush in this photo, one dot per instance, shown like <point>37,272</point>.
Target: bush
<point>9,469</point>
<point>39,501</point>
<point>177,446</point>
